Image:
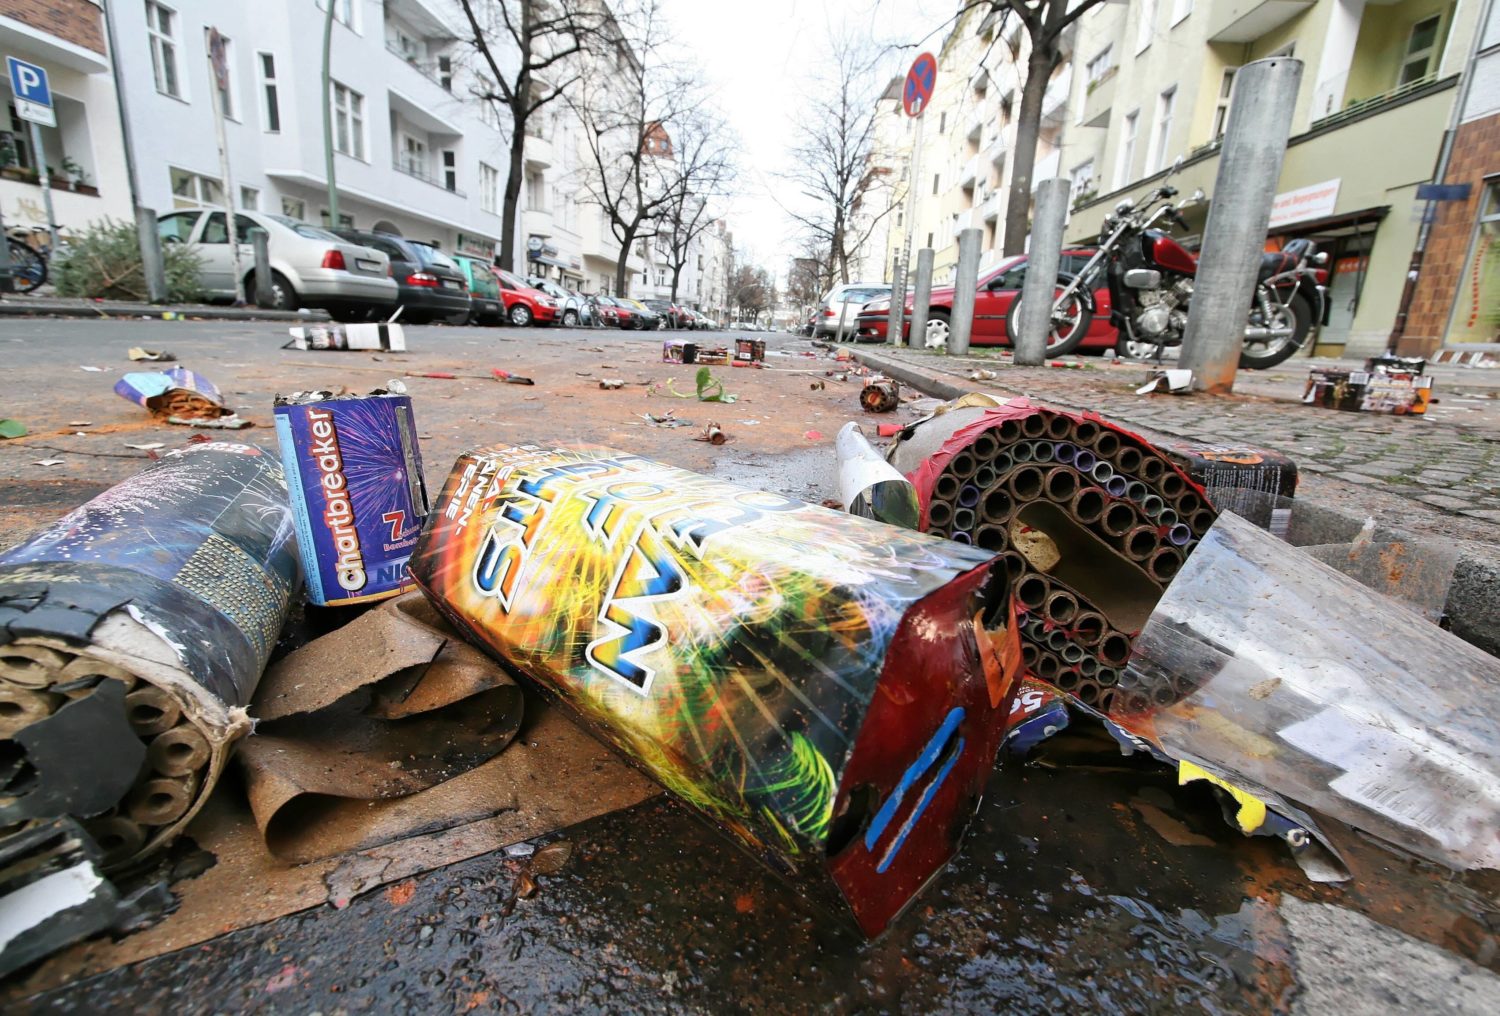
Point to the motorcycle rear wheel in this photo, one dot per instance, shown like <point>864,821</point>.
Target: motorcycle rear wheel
<point>1070,322</point>
<point>1264,353</point>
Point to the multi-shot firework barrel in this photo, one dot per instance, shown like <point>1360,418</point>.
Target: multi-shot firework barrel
<point>1090,521</point>
<point>829,689</point>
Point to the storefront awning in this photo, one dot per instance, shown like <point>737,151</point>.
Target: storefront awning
<point>542,259</point>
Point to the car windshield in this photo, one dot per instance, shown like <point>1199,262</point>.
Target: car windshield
<point>513,281</point>
<point>303,229</point>
<point>861,295</point>
<point>432,257</point>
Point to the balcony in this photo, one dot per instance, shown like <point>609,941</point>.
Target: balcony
<point>1248,20</point>
<point>995,148</point>
<point>989,208</point>
<point>1055,99</point>
<point>539,153</point>
<point>963,220</point>
<point>439,71</point>
<point>417,171</point>
<point>969,175</point>
<point>975,122</point>
<point>1048,167</point>
<point>1099,99</point>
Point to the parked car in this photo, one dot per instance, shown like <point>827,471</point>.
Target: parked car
<point>645,317</point>
<point>524,304</point>
<point>484,291</point>
<point>843,304</point>
<point>997,289</point>
<point>431,285</point>
<point>570,308</point>
<point>617,312</point>
<point>309,265</point>
<point>672,316</point>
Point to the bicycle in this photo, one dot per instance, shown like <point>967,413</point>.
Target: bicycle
<point>28,263</point>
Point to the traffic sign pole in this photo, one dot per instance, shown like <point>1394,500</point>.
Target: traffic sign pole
<point>217,80</point>
<point>915,95</point>
<point>41,168</point>
<point>33,98</point>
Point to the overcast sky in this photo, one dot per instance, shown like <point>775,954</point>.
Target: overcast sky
<point>761,57</point>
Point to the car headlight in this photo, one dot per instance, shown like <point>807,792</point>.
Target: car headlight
<point>878,306</point>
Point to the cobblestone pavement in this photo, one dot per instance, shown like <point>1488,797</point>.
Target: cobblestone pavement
<point>1447,461</point>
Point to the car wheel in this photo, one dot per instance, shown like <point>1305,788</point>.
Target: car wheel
<point>283,296</point>
<point>936,336</point>
<point>520,315</point>
<point>570,319</point>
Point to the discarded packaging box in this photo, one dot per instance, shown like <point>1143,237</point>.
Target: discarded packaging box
<point>175,392</point>
<point>375,336</point>
<point>1254,483</point>
<point>750,350</point>
<point>679,351</point>
<point>1401,394</point>
<point>135,630</point>
<point>354,475</point>
<point>830,690</point>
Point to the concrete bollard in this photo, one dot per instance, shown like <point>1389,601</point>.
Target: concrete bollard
<point>264,297</point>
<point>153,263</point>
<point>921,298</point>
<point>961,325</point>
<point>1260,117</point>
<point>898,302</point>
<point>1042,262</point>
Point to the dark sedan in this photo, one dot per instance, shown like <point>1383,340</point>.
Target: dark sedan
<point>431,284</point>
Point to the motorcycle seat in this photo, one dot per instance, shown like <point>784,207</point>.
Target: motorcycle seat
<point>1276,262</point>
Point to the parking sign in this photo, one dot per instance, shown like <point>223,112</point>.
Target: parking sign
<point>28,83</point>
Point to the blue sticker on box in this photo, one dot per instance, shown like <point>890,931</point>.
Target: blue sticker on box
<point>354,475</point>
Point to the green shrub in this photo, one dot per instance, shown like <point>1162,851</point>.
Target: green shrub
<point>104,261</point>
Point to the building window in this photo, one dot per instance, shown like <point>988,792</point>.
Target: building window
<point>445,73</point>
<point>1476,312</point>
<point>1101,65</point>
<point>943,122</point>
<point>1126,157</point>
<point>191,190</point>
<point>899,217</point>
<point>1163,137</point>
<point>227,105</point>
<point>348,121</point>
<point>346,221</point>
<point>536,197</point>
<point>1221,108</point>
<point>489,188</point>
<point>936,178</point>
<point>161,25</point>
<point>270,102</point>
<point>1145,28</point>
<point>450,169</point>
<point>250,199</point>
<point>413,157</point>
<point>294,208</point>
<point>1180,10</point>
<point>344,12</point>
<point>1083,179</point>
<point>1421,49</point>
<point>929,241</point>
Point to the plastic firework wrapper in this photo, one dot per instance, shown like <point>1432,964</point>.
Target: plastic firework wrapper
<point>354,475</point>
<point>830,689</point>
<point>175,393</point>
<point>132,635</point>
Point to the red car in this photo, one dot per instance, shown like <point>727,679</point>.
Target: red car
<point>619,313</point>
<point>524,305</point>
<point>997,290</point>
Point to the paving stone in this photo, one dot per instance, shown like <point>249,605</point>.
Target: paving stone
<point>1439,476</point>
<point>1445,501</point>
<point>1356,478</point>
<point>1488,514</point>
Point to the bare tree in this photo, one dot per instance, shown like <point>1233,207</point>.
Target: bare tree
<point>547,35</point>
<point>752,289</point>
<point>630,100</point>
<point>708,172</point>
<point>831,153</point>
<point>1045,21</point>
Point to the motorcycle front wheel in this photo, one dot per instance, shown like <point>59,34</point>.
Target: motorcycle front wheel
<point>1070,319</point>
<point>1259,354</point>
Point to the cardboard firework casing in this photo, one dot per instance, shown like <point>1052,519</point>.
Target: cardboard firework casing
<point>354,476</point>
<point>829,689</point>
<point>1255,483</point>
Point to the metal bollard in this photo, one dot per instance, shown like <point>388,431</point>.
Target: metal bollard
<point>962,322</point>
<point>1042,261</point>
<point>921,298</point>
<point>264,297</point>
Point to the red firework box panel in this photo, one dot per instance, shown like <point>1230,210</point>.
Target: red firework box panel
<point>830,690</point>
<point>1090,521</point>
<point>354,476</point>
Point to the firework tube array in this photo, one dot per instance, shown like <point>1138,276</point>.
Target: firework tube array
<point>132,635</point>
<point>1090,521</point>
<point>829,689</point>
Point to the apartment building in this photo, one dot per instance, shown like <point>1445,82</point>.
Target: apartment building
<point>1456,299</point>
<point>85,152</point>
<point>1378,88</point>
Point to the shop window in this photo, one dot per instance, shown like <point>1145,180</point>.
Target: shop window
<point>1476,311</point>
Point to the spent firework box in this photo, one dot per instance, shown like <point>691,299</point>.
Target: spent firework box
<point>828,690</point>
<point>354,476</point>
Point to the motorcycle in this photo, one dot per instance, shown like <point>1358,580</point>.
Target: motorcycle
<point>1150,278</point>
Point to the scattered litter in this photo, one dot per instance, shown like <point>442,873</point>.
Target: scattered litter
<point>584,373</point>
<point>1065,365</point>
<point>667,419</point>
<point>354,536</point>
<point>889,429</point>
<point>176,395</point>
<point>508,378</point>
<point>818,386</point>
<point>749,350</point>
<point>520,850</point>
<point>984,375</point>
<point>552,858</point>
<point>95,370</point>
<point>153,355</point>
<point>48,462</point>
<point>710,388</point>
<point>385,336</point>
<point>609,384</point>
<point>870,486</point>
<point>712,434</point>
<point>149,446</point>
<point>1388,384</point>
<point>1174,380</point>
<point>677,351</point>
<point>880,395</point>
<point>880,636</point>
<point>12,428</point>
<point>813,435</point>
<point>80,423</point>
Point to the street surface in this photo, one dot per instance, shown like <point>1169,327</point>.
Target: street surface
<point>1090,882</point>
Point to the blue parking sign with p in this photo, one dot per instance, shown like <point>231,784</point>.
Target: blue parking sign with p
<point>33,95</point>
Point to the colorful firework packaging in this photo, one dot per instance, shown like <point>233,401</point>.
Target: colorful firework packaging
<point>354,475</point>
<point>132,635</point>
<point>829,689</point>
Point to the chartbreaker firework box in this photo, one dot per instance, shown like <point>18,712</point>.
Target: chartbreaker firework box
<point>829,689</point>
<point>354,475</point>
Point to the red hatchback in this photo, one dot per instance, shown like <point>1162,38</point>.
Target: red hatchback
<point>524,305</point>
<point>993,297</point>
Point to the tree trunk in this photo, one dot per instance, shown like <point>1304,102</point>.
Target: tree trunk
<point>676,275</point>
<point>1028,127</point>
<point>622,267</point>
<point>512,197</point>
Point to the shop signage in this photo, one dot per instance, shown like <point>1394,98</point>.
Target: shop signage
<point>1304,204</point>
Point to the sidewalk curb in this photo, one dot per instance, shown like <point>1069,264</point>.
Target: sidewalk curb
<point>121,311</point>
<point>1473,604</point>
